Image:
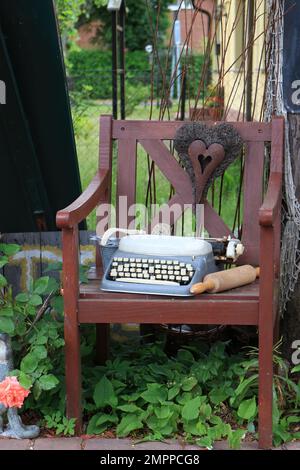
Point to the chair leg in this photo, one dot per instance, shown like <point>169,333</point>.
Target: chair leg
<point>265,392</point>
<point>73,374</point>
<point>102,343</point>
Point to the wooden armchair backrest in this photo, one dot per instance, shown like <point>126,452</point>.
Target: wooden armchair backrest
<point>152,134</point>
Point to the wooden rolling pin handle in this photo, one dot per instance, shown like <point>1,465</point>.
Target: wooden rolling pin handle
<point>201,287</point>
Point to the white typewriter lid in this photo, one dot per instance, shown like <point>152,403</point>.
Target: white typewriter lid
<point>164,245</point>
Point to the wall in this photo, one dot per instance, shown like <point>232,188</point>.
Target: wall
<point>233,33</point>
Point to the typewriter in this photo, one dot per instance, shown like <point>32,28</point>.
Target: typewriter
<point>159,265</point>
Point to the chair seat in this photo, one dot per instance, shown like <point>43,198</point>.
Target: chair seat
<point>237,306</point>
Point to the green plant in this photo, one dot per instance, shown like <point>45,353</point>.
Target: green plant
<point>34,321</point>
<point>93,68</point>
<point>203,394</point>
<point>60,424</point>
<point>141,20</point>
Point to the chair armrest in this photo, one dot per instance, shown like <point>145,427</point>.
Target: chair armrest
<point>85,203</point>
<point>272,202</point>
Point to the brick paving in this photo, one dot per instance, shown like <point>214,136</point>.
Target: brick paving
<point>77,443</point>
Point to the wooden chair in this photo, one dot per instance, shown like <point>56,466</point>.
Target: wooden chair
<point>255,304</point>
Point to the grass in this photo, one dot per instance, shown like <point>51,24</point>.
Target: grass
<point>86,124</point>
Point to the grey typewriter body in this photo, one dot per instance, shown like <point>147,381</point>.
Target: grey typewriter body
<point>133,270</point>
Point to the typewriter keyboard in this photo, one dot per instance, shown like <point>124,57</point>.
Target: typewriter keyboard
<point>151,271</point>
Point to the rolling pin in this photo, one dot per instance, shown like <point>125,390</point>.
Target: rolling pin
<point>225,280</point>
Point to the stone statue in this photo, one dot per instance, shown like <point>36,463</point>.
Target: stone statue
<point>15,428</point>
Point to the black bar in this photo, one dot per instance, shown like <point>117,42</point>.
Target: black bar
<point>122,57</point>
<point>183,97</point>
<point>114,20</point>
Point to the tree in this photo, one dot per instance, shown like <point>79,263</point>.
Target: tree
<point>69,12</point>
<point>141,18</point>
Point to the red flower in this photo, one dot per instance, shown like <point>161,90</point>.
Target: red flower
<point>12,394</point>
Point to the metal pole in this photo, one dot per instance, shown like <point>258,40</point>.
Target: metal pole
<point>250,28</point>
<point>122,57</point>
<point>183,96</point>
<point>114,19</point>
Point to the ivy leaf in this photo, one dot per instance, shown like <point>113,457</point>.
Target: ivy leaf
<point>205,410</point>
<point>47,382</point>
<point>130,408</point>
<point>3,261</point>
<point>25,380</point>
<point>52,286</point>
<point>58,304</point>
<point>29,363</point>
<point>7,312</point>
<point>40,339</point>
<point>3,281</point>
<point>247,409</point>
<point>164,412</point>
<point>195,427</point>
<point>205,441</point>
<point>7,325</point>
<point>41,285</point>
<point>155,393</point>
<point>219,395</point>
<point>100,422</point>
<point>9,249</point>
<point>128,424</point>
<point>235,438</point>
<point>23,297</point>
<point>188,384</point>
<point>21,328</point>
<point>106,418</point>
<point>40,352</point>
<point>173,392</point>
<point>36,390</point>
<point>104,393</point>
<point>35,300</point>
<point>190,410</point>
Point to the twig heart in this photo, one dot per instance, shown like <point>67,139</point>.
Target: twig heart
<point>205,152</point>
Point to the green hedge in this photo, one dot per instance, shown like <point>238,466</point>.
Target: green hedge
<point>92,68</point>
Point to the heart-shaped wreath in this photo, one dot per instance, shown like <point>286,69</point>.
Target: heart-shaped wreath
<point>205,153</point>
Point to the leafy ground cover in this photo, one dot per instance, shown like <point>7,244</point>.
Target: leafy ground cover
<point>200,392</point>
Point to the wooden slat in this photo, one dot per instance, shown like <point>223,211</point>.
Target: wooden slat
<point>277,149</point>
<point>265,344</point>
<point>92,291</point>
<point>71,327</point>
<point>105,144</point>
<point>126,178</point>
<point>215,226</point>
<point>105,161</point>
<point>252,131</point>
<point>170,168</point>
<point>253,182</point>
<point>151,310</point>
